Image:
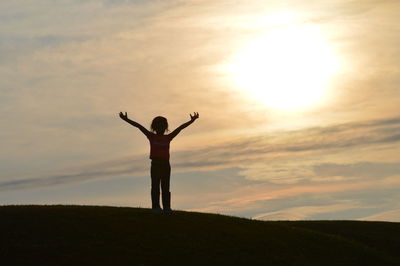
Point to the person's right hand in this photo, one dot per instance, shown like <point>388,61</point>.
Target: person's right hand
<point>194,116</point>
<point>124,117</point>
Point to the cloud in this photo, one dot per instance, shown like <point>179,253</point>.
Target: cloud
<point>263,158</point>
<point>346,9</point>
<point>112,169</point>
<point>68,68</point>
<point>392,215</point>
<point>358,170</point>
<point>38,26</point>
<point>305,172</point>
<point>304,212</point>
<point>353,200</point>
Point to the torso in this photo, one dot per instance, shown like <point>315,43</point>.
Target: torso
<point>159,146</point>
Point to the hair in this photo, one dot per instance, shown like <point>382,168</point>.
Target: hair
<point>159,124</point>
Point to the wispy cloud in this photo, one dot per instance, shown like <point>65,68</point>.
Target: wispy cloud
<point>361,170</point>
<point>392,215</point>
<point>349,200</point>
<point>303,212</point>
<point>263,158</point>
<point>67,68</point>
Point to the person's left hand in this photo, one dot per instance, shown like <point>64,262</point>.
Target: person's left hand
<point>194,116</point>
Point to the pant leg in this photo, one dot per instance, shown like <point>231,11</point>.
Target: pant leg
<point>155,184</point>
<point>165,185</point>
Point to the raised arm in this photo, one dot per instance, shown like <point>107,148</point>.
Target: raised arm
<point>133,123</point>
<point>184,125</point>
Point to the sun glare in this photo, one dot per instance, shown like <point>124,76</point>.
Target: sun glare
<point>287,67</point>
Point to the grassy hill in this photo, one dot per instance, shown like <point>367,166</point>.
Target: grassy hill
<point>91,235</point>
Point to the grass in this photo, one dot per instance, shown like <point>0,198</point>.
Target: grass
<point>94,235</point>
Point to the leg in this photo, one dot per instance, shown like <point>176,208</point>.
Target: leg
<point>155,186</point>
<point>166,194</point>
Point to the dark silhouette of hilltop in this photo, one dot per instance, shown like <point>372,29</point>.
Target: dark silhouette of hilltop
<point>93,235</point>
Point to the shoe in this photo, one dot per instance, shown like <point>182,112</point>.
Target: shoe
<point>156,210</point>
<point>167,211</point>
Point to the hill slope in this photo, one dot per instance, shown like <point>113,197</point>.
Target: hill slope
<point>90,235</point>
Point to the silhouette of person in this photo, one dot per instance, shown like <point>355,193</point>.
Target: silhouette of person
<point>159,155</point>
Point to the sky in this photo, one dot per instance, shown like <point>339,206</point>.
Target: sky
<point>298,103</point>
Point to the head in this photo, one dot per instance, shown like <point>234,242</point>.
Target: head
<point>159,125</point>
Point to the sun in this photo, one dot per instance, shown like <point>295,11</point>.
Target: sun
<point>287,68</point>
